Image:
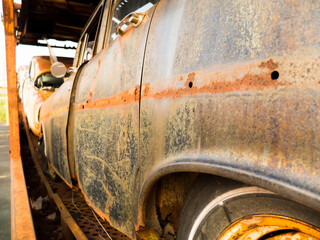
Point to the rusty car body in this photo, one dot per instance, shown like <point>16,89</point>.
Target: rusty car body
<point>36,87</point>
<point>160,97</point>
<point>22,74</point>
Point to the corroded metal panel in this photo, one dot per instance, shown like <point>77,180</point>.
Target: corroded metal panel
<point>228,88</point>
<point>106,126</point>
<point>232,88</point>
<point>54,118</point>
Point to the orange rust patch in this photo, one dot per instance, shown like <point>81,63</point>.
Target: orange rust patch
<point>216,83</point>
<point>122,99</point>
<point>271,65</point>
<point>146,89</point>
<point>102,55</point>
<point>137,93</point>
<point>249,82</point>
<point>64,109</point>
<point>189,79</point>
<point>104,215</point>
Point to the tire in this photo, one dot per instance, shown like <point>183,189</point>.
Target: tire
<point>214,205</point>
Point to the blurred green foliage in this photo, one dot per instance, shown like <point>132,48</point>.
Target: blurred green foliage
<point>3,109</point>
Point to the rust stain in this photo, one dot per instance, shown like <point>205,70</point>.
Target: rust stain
<point>63,109</point>
<point>122,99</point>
<point>137,93</point>
<point>189,80</point>
<point>45,94</point>
<point>104,215</point>
<point>101,57</point>
<point>217,82</point>
<point>248,217</point>
<point>270,64</point>
<point>148,234</point>
<point>170,197</point>
<point>146,89</point>
<point>250,82</point>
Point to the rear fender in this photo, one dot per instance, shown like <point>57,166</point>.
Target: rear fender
<point>216,165</point>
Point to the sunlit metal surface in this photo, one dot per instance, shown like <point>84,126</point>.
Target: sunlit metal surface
<point>230,89</point>
<point>276,227</point>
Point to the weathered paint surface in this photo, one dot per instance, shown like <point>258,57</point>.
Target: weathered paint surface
<point>54,119</point>
<point>106,127</point>
<point>41,65</point>
<point>210,101</point>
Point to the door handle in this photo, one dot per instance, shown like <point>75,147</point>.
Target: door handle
<point>134,19</point>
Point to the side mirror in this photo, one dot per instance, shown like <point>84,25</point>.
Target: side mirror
<point>58,69</point>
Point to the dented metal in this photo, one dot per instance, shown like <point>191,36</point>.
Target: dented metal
<point>227,88</point>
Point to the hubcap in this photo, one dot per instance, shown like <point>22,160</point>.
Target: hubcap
<point>270,227</point>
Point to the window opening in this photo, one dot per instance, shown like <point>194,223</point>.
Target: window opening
<point>87,41</point>
<point>48,81</point>
<point>124,7</point>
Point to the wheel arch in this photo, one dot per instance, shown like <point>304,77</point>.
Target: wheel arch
<point>209,166</point>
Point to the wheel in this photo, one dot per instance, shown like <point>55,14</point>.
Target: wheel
<point>220,209</point>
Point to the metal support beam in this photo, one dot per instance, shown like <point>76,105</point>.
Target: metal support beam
<point>21,219</point>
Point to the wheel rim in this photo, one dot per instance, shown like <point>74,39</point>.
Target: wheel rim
<point>259,226</point>
<point>220,200</point>
<point>270,227</point>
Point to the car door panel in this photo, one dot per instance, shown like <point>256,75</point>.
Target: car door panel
<point>106,123</point>
<point>54,117</point>
<point>55,111</point>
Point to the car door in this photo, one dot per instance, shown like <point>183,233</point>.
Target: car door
<point>106,117</point>
<point>55,111</point>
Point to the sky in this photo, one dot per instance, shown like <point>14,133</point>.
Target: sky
<point>24,53</point>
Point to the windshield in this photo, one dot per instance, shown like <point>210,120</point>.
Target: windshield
<point>47,80</point>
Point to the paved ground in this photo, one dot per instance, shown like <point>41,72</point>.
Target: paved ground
<point>5,231</point>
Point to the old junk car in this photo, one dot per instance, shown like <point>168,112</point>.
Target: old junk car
<point>36,86</point>
<point>194,119</point>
